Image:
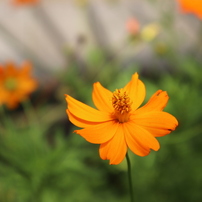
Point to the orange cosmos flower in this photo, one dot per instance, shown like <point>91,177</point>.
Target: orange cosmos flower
<point>15,84</point>
<point>191,6</point>
<point>118,123</point>
<point>24,2</point>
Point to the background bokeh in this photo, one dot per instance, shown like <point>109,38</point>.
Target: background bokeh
<point>72,44</point>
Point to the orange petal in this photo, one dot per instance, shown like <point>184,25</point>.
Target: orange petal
<point>157,102</point>
<point>3,95</point>
<point>102,98</point>
<point>99,133</point>
<point>11,70</point>
<point>132,143</point>
<point>1,71</point>
<point>85,112</point>
<point>27,85</point>
<point>115,149</point>
<point>139,140</point>
<point>24,2</point>
<point>194,6</point>
<point>136,91</point>
<point>158,123</point>
<point>26,68</point>
<point>12,101</point>
<point>79,122</point>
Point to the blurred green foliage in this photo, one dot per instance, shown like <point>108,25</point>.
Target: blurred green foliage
<point>42,160</point>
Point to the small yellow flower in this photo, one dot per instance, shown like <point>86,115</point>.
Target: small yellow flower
<point>15,84</point>
<point>118,123</point>
<point>150,32</point>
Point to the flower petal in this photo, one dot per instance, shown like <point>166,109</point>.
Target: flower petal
<point>115,149</point>
<point>132,143</point>
<point>157,102</point>
<point>11,70</point>
<point>26,68</point>
<point>158,123</point>
<point>11,99</point>
<point>191,7</point>
<point>136,91</point>
<point>79,122</point>
<point>139,140</point>
<point>102,98</point>
<point>27,85</point>
<point>85,112</point>
<point>99,133</point>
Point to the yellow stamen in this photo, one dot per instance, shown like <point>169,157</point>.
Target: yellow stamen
<point>122,105</point>
<point>11,84</point>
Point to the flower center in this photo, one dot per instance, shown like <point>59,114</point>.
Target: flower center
<point>122,105</point>
<point>11,84</point>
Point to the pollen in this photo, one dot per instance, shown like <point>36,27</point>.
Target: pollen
<point>11,84</point>
<point>122,105</point>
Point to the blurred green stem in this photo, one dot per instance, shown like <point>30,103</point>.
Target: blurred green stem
<point>11,164</point>
<point>29,111</point>
<point>8,126</point>
<point>31,116</point>
<point>130,178</point>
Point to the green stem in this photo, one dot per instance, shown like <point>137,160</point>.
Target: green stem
<point>30,113</point>
<point>130,178</point>
<point>34,125</point>
<point>7,126</point>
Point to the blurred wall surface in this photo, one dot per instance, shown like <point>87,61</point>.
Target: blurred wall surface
<point>46,31</point>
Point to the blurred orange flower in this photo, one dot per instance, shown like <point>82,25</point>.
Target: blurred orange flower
<point>15,84</point>
<point>191,6</point>
<point>132,26</point>
<point>119,123</point>
<point>24,2</point>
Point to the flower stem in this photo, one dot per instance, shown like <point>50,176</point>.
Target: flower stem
<point>129,178</point>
